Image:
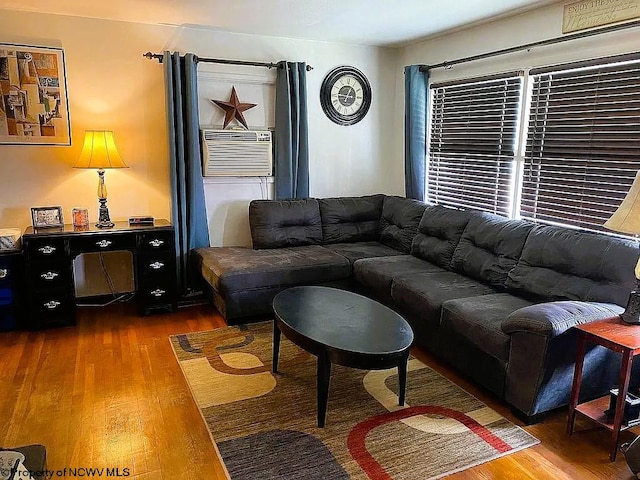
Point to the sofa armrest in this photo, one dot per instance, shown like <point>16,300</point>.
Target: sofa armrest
<point>554,318</point>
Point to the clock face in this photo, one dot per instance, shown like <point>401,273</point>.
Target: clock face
<point>345,95</point>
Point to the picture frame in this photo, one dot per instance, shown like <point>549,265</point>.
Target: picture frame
<point>34,108</point>
<point>80,216</point>
<point>47,217</point>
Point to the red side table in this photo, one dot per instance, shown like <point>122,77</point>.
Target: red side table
<point>620,337</point>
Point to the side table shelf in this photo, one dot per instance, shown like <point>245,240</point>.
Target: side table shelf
<point>595,410</point>
<point>619,337</point>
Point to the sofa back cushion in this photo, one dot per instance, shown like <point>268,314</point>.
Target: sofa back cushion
<point>351,219</point>
<point>490,247</point>
<point>438,235</point>
<point>285,223</point>
<point>562,264</point>
<point>399,222</point>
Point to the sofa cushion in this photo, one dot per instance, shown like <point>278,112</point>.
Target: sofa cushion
<point>351,219</point>
<point>357,250</point>
<point>285,223</point>
<point>377,273</point>
<point>422,295</point>
<point>562,264</point>
<point>399,222</point>
<point>490,247</point>
<point>438,235</point>
<point>479,320</point>
<point>229,269</point>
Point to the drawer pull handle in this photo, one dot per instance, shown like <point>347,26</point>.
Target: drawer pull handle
<point>4,273</point>
<point>156,242</point>
<point>158,292</point>
<point>49,275</point>
<point>52,304</point>
<point>104,243</point>
<point>47,249</point>
<point>156,265</point>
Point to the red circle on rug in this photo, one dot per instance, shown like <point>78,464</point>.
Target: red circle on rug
<point>358,449</point>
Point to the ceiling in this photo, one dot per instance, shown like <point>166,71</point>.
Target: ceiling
<point>366,22</point>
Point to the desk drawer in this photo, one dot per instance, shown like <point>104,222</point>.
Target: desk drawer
<point>101,243</point>
<point>156,241</point>
<point>47,249</point>
<point>53,308</point>
<point>155,266</point>
<point>54,275</point>
<point>154,295</point>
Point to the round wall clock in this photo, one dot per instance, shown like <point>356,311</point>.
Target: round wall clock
<point>345,95</point>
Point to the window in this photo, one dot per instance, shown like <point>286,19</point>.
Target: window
<point>472,142</point>
<point>582,147</point>
<point>583,143</point>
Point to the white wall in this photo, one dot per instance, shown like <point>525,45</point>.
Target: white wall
<point>111,86</point>
<point>532,26</point>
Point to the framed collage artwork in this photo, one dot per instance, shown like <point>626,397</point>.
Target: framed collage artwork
<point>33,96</point>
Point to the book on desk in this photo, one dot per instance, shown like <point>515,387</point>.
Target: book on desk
<point>141,220</point>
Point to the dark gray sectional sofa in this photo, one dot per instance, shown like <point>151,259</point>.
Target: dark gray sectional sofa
<point>494,297</point>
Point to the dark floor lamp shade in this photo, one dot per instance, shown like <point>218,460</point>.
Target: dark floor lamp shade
<point>626,219</point>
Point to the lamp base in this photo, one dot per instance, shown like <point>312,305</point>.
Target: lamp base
<point>631,314</point>
<point>105,224</point>
<point>103,215</point>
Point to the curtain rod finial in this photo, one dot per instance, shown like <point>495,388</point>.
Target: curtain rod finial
<point>151,56</point>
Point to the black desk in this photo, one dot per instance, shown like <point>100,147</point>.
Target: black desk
<point>49,253</point>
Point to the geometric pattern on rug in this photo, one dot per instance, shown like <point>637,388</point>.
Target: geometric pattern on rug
<point>264,424</point>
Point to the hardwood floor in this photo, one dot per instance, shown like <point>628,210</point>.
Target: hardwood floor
<point>108,393</point>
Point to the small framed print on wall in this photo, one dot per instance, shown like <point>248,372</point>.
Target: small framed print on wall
<point>46,217</point>
<point>34,109</point>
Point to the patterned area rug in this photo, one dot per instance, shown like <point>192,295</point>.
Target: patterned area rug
<point>265,425</point>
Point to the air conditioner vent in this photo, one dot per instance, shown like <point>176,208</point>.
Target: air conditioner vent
<point>241,153</point>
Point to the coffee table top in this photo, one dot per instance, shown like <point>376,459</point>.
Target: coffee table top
<point>342,320</point>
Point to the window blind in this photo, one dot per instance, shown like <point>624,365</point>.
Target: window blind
<point>472,142</point>
<point>583,143</point>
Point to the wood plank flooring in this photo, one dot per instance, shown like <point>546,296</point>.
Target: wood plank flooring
<point>108,393</point>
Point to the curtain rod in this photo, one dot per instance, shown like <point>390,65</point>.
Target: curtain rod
<point>550,41</point>
<point>159,57</point>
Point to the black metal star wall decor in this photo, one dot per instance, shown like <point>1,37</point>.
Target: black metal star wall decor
<point>233,109</point>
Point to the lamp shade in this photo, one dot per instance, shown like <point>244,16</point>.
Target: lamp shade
<point>626,219</point>
<point>99,151</point>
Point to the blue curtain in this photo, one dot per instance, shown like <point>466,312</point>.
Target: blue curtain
<point>415,131</point>
<point>189,216</point>
<point>291,135</point>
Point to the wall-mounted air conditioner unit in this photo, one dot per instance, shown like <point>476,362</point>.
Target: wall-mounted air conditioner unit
<point>239,153</point>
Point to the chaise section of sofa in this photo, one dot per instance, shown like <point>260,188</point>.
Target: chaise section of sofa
<point>244,281</point>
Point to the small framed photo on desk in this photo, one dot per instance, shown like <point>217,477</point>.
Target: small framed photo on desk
<point>46,217</point>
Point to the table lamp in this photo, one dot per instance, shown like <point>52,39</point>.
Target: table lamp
<point>99,151</point>
<point>626,219</point>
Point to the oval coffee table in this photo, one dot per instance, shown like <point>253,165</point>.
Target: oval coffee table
<point>344,328</point>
